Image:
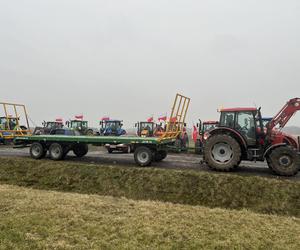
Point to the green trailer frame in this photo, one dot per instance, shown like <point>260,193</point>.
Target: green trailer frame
<point>145,150</point>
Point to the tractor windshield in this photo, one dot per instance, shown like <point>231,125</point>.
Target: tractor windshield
<point>147,126</point>
<point>113,125</point>
<point>208,127</point>
<point>79,124</point>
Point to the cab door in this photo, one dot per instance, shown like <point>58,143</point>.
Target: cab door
<point>245,124</point>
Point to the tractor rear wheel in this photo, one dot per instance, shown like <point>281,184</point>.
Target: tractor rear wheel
<point>160,155</point>
<point>143,156</point>
<point>37,151</point>
<point>284,161</point>
<point>222,152</point>
<point>80,150</point>
<point>56,152</point>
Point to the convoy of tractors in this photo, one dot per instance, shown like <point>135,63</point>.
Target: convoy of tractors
<point>240,134</point>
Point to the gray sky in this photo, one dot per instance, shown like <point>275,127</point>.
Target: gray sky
<point>128,58</point>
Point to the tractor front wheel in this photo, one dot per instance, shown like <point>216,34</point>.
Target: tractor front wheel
<point>222,152</point>
<point>284,161</point>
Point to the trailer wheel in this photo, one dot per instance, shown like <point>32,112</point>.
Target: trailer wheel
<point>284,161</point>
<point>222,152</point>
<point>143,156</point>
<point>37,151</point>
<point>80,150</point>
<point>160,155</point>
<point>56,152</point>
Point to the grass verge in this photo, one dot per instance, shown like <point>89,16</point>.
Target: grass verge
<point>38,219</point>
<point>187,187</point>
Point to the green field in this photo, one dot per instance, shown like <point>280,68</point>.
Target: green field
<point>64,205</point>
<point>38,219</point>
<point>209,189</point>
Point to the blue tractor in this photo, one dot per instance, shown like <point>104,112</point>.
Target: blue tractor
<point>114,128</point>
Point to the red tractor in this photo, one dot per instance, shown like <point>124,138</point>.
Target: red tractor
<point>203,133</point>
<point>241,135</point>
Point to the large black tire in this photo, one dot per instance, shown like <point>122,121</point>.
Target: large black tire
<point>110,150</point>
<point>222,152</point>
<point>198,147</point>
<point>80,150</point>
<point>56,152</point>
<point>284,161</point>
<point>143,156</point>
<point>37,151</point>
<point>160,155</point>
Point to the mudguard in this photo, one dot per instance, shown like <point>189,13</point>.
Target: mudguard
<point>272,147</point>
<point>232,131</point>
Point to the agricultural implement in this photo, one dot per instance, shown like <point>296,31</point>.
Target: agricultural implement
<point>145,149</point>
<point>10,126</point>
<point>242,135</point>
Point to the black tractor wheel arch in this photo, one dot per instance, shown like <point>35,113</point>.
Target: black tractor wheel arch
<point>284,153</point>
<point>226,139</point>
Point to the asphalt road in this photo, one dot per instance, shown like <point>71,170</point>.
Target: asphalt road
<point>173,161</point>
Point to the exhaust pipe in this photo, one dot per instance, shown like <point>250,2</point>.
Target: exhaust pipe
<point>299,144</point>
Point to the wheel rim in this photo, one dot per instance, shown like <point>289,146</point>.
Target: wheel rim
<point>36,151</point>
<point>55,152</point>
<point>143,157</point>
<point>285,161</point>
<point>222,152</point>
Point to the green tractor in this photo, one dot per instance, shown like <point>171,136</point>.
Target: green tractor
<point>80,126</point>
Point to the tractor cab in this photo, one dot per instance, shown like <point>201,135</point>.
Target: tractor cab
<point>206,126</point>
<point>77,124</point>
<point>52,125</point>
<point>112,128</point>
<point>81,126</point>
<point>8,123</point>
<point>145,129</point>
<point>246,121</point>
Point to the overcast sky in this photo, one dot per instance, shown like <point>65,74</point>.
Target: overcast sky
<point>128,58</point>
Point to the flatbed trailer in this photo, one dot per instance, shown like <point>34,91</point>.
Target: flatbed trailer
<point>145,150</point>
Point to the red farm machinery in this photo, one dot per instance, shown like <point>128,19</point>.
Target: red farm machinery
<point>241,135</point>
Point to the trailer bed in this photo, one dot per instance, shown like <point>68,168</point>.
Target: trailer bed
<point>145,149</point>
<point>96,140</point>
